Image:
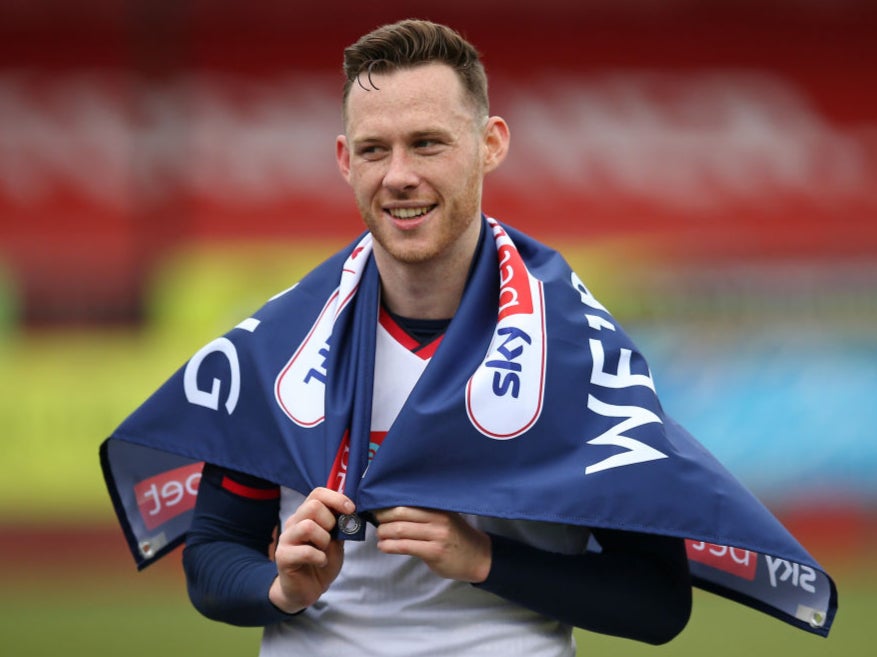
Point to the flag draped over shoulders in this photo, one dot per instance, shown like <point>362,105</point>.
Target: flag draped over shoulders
<point>535,406</point>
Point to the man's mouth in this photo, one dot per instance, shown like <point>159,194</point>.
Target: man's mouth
<point>410,213</point>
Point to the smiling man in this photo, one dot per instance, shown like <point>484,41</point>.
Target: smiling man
<point>418,143</point>
<point>461,449</point>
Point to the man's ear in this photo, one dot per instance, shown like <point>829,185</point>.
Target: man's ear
<point>496,142</point>
<point>342,156</point>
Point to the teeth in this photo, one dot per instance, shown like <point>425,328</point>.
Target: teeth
<point>409,213</point>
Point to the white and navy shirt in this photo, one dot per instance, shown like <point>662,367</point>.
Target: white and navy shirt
<point>394,604</point>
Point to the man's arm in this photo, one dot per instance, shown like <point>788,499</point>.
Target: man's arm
<point>638,587</point>
<point>226,558</point>
<point>229,572</point>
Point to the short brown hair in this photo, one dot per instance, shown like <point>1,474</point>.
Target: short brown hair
<point>411,43</point>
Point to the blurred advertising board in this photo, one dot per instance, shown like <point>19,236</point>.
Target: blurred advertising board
<point>735,132</point>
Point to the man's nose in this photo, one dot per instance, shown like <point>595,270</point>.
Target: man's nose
<point>401,173</point>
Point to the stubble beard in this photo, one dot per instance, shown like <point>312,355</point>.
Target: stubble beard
<point>431,243</point>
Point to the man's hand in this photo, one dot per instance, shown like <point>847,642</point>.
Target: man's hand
<point>450,546</point>
<point>308,559</point>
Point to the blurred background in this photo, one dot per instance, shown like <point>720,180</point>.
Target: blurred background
<point>709,168</point>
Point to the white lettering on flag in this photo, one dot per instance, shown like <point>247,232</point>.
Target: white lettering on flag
<point>210,399</point>
<point>637,452</point>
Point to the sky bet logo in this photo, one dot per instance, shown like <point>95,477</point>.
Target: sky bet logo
<point>168,494</point>
<point>504,395</point>
<point>736,561</point>
<point>743,563</point>
<point>507,366</point>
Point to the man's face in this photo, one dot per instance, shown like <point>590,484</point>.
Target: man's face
<point>415,155</point>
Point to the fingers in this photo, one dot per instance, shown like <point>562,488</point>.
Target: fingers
<point>321,507</point>
<point>307,558</point>
<point>417,532</point>
<point>306,533</point>
<point>449,545</point>
<point>407,514</point>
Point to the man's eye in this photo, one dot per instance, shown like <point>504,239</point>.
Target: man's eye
<point>427,145</point>
<point>370,151</point>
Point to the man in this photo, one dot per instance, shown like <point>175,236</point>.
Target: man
<point>418,142</point>
<point>447,396</point>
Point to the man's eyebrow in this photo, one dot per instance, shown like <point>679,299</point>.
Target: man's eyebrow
<point>430,132</point>
<point>412,136</point>
<point>366,140</point>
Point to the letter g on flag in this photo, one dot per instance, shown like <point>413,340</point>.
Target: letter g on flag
<point>210,398</point>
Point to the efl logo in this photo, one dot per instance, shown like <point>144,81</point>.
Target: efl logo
<point>736,561</point>
<point>504,395</point>
<point>168,494</point>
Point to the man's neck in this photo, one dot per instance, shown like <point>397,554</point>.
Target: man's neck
<point>429,290</point>
<point>415,291</point>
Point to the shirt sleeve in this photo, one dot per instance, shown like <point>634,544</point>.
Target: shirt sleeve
<point>637,586</point>
<point>227,555</point>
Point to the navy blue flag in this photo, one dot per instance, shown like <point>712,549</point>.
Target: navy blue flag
<point>536,405</point>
